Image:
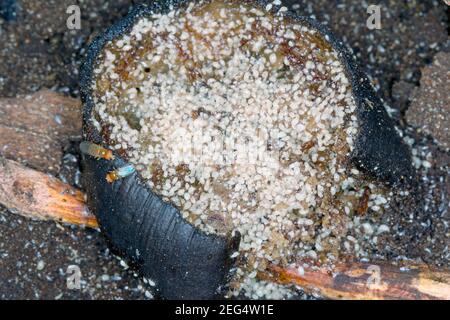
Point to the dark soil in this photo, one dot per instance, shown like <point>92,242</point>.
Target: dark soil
<point>38,51</point>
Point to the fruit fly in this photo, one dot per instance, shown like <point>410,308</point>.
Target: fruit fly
<point>96,151</point>
<point>120,173</point>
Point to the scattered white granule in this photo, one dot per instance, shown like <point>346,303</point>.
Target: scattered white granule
<point>242,127</point>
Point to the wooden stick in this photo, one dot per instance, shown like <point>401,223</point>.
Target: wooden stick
<point>367,281</point>
<point>37,195</point>
<point>34,129</point>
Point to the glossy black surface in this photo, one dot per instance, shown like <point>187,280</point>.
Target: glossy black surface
<point>184,262</point>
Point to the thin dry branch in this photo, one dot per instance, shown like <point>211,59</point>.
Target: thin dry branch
<point>367,281</point>
<point>34,129</point>
<point>37,195</point>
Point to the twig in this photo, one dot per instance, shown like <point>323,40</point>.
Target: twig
<point>36,195</point>
<point>367,281</point>
<point>34,129</point>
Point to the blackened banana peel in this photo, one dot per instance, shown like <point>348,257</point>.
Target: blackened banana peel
<point>184,262</point>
